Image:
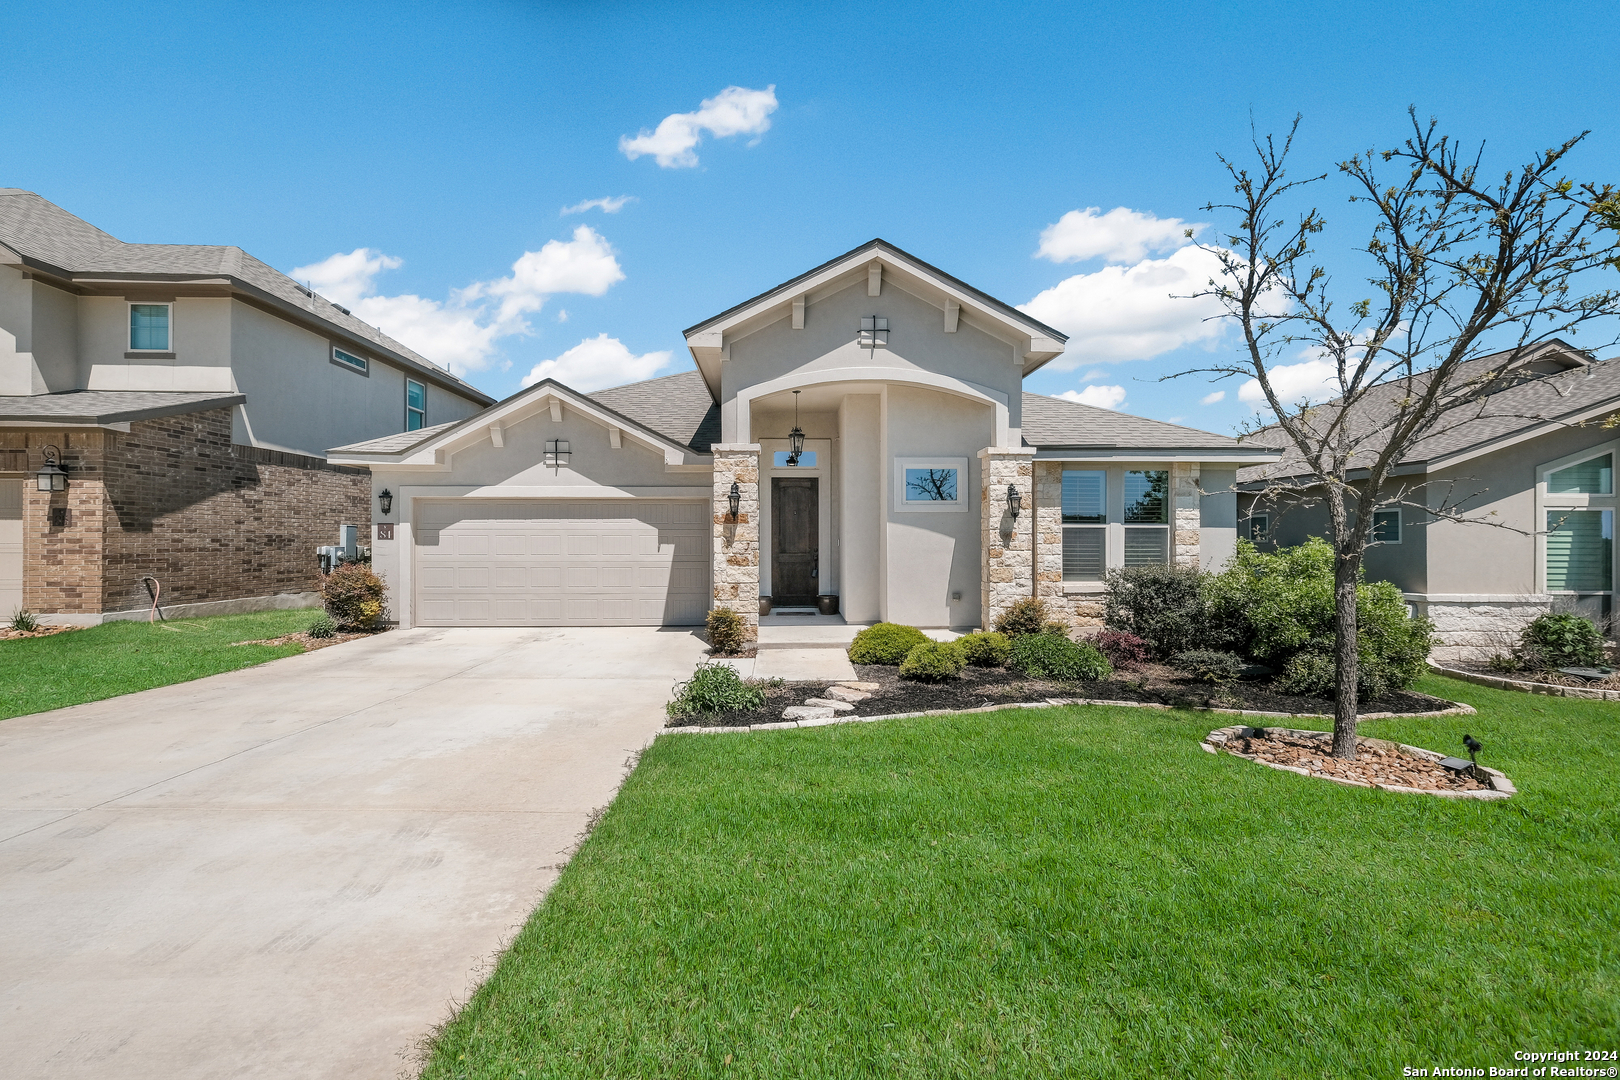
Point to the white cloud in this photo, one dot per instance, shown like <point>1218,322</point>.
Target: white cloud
<point>611,204</point>
<point>1213,397</point>
<point>562,314</point>
<point>461,334</point>
<point>1312,380</point>
<point>736,110</point>
<point>1103,397</point>
<point>598,362</point>
<point>1133,312</point>
<point>1121,235</point>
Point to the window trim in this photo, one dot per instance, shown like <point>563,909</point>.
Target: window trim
<point>422,412</point>
<point>1400,527</point>
<point>129,326</point>
<point>964,483</point>
<point>1551,502</point>
<point>360,365</point>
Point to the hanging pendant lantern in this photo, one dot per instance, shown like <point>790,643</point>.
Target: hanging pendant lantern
<point>796,436</point>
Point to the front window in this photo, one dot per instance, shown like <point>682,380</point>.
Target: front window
<point>415,405</point>
<point>1580,550</point>
<point>349,360</point>
<point>149,327</point>
<point>1386,527</point>
<point>930,485</point>
<point>1085,524</point>
<point>1147,517</point>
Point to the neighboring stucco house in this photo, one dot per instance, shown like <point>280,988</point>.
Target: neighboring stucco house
<point>1533,461</point>
<point>189,393</point>
<point>929,489</point>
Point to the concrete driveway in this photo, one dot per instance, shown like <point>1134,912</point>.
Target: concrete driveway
<point>297,869</point>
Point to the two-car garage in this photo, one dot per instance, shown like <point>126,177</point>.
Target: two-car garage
<point>560,562</point>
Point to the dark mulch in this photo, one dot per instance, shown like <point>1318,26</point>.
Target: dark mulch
<point>979,687</point>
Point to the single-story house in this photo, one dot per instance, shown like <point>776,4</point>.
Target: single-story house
<point>178,401</point>
<point>854,440</point>
<point>1530,464</point>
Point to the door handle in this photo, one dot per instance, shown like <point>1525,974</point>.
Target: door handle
<point>815,572</point>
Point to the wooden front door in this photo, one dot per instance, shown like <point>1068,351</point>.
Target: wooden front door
<point>795,532</point>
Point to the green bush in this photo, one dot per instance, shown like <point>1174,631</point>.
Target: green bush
<point>23,621</point>
<point>1562,639</point>
<point>1314,673</point>
<point>727,631</point>
<point>323,627</point>
<point>934,661</point>
<point>986,648</point>
<point>354,596</point>
<point>1163,605</point>
<point>1055,656</point>
<point>713,688</point>
<point>1209,665</point>
<point>1026,616</point>
<point>885,643</point>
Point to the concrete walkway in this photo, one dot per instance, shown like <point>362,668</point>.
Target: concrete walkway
<point>294,870</point>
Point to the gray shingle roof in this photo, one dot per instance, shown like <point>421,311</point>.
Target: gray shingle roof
<point>109,406</point>
<point>1052,422</point>
<point>393,444</point>
<point>38,229</point>
<point>676,406</point>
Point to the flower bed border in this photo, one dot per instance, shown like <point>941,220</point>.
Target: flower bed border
<point>1457,709</point>
<point>1524,686</point>
<point>1501,787</point>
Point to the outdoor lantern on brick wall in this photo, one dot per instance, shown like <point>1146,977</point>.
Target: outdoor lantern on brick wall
<point>1015,501</point>
<point>735,499</point>
<point>385,499</point>
<point>51,476</point>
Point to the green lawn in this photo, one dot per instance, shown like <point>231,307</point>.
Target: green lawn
<point>121,657</point>
<point>1075,891</point>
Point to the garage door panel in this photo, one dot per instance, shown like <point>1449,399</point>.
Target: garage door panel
<point>523,562</point>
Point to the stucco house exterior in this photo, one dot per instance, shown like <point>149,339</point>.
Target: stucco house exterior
<point>189,394</point>
<point>1531,465</point>
<point>928,488</point>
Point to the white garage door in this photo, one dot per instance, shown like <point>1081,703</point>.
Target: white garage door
<point>11,547</point>
<point>534,562</point>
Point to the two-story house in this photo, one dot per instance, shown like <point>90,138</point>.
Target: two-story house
<point>165,411</point>
<point>856,440</point>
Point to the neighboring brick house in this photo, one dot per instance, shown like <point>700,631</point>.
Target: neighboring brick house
<point>189,393</point>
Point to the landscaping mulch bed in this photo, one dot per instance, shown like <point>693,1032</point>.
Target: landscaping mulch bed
<point>311,643</point>
<point>978,687</point>
<point>1376,762</point>
<point>1548,678</point>
<point>8,634</point>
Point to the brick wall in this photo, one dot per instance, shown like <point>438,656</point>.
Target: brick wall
<point>172,498</point>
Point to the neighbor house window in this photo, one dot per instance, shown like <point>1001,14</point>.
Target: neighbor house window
<point>1386,527</point>
<point>930,483</point>
<point>415,405</point>
<point>1594,476</point>
<point>349,360</point>
<point>149,327</point>
<point>1259,528</point>
<point>1085,524</point>
<point>1147,517</point>
<point>1580,550</point>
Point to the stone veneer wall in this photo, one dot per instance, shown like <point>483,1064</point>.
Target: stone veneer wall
<point>1007,559</point>
<point>1471,628</point>
<point>173,498</point>
<point>736,539</point>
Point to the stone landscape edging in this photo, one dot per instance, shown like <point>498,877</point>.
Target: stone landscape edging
<point>1501,787</point>
<point>1496,682</point>
<point>1457,709</point>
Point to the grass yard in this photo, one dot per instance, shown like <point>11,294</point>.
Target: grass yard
<point>1075,891</point>
<point>121,657</point>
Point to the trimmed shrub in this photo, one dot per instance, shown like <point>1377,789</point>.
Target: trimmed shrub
<point>1124,650</point>
<point>1163,605</point>
<point>1210,665</point>
<point>1562,639</point>
<point>354,596</point>
<point>1055,628</point>
<point>727,631</point>
<point>1314,673</point>
<point>986,648</point>
<point>323,627</point>
<point>935,661</point>
<point>713,688</point>
<point>1052,656</point>
<point>23,621</point>
<point>885,643</point>
<point>1026,616</point>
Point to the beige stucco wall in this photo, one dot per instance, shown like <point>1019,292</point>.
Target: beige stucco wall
<point>199,337</point>
<point>860,494</point>
<point>38,336</point>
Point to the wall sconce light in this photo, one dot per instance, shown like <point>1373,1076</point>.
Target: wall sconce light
<point>557,453</point>
<point>735,499</point>
<point>51,476</point>
<point>385,499</point>
<point>1015,501</point>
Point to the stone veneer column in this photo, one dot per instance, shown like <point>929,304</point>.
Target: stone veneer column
<point>1007,559</point>
<point>1187,519</point>
<point>736,539</point>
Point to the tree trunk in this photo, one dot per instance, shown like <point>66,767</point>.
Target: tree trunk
<point>1346,573</point>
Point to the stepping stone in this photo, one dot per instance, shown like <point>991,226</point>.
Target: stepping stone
<point>807,712</point>
<point>868,686</point>
<point>835,706</point>
<point>844,693</point>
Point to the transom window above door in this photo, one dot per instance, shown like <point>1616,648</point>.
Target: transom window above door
<point>807,460</point>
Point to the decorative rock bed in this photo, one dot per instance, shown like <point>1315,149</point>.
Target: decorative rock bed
<point>1379,763</point>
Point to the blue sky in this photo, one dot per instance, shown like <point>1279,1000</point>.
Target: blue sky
<point>434,148</point>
